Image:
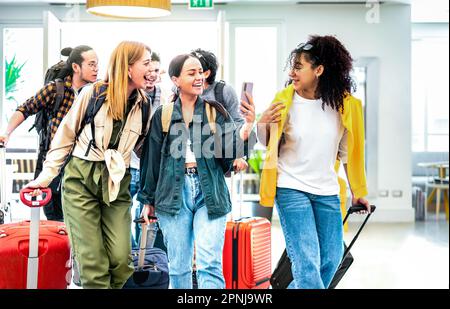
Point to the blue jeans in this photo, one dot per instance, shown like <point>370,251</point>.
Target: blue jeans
<point>180,231</point>
<point>312,228</point>
<point>136,207</point>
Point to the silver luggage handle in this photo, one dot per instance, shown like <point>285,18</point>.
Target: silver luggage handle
<point>3,180</point>
<point>241,190</point>
<point>33,257</point>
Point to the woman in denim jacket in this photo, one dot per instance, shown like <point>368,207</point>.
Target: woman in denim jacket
<point>182,175</point>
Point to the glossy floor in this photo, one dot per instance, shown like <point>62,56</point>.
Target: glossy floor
<point>387,255</point>
<point>393,255</point>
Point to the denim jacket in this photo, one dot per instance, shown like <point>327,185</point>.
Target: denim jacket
<point>162,163</point>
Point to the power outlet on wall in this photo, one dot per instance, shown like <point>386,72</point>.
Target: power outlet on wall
<point>397,193</point>
<point>383,193</point>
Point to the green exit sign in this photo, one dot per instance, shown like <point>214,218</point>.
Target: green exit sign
<point>201,4</point>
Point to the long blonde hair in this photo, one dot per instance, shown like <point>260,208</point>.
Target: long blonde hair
<point>124,55</point>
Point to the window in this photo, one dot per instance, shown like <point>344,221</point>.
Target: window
<point>168,39</point>
<point>22,57</point>
<point>430,111</point>
<point>359,76</point>
<point>256,61</point>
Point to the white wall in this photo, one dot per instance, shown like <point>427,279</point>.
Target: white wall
<point>389,41</point>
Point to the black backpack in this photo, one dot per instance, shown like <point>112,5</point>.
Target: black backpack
<point>94,105</point>
<point>218,92</point>
<point>44,116</point>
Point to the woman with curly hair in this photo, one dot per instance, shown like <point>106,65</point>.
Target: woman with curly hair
<point>311,124</point>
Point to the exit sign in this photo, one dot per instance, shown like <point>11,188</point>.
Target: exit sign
<point>201,4</point>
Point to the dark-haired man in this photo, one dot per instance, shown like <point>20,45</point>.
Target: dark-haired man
<point>81,68</point>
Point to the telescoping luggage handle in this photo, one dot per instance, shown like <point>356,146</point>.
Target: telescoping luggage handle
<point>35,203</point>
<point>143,242</point>
<point>241,192</point>
<point>350,211</point>
<point>2,182</point>
<point>33,258</point>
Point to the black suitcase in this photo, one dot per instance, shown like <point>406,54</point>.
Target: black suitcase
<point>282,275</point>
<point>151,266</point>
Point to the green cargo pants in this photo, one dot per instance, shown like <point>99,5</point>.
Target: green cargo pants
<point>99,233</point>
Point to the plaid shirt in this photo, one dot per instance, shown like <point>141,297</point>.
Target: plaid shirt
<point>45,98</point>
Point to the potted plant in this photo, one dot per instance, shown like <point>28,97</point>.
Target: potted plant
<point>255,162</point>
<point>13,72</point>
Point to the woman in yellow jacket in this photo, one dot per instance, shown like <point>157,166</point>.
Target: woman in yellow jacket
<point>309,125</point>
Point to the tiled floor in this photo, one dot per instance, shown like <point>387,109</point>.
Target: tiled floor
<point>393,255</point>
<point>387,255</point>
<point>407,256</point>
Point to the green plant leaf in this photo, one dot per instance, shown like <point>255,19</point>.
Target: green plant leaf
<point>13,72</point>
<point>255,161</point>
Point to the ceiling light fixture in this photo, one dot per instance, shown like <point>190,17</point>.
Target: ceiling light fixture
<point>129,8</point>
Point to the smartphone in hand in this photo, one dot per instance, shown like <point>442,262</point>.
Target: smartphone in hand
<point>246,87</point>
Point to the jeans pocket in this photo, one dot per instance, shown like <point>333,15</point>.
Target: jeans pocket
<point>290,199</point>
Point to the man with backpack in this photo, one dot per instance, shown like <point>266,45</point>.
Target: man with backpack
<point>51,103</point>
<point>221,92</point>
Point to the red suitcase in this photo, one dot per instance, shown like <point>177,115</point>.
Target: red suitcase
<point>247,258</point>
<point>34,254</point>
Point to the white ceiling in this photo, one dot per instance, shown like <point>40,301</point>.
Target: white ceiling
<point>421,10</point>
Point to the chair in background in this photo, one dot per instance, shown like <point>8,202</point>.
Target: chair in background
<point>438,183</point>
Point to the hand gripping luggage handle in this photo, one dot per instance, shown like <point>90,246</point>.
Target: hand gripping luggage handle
<point>350,211</point>
<point>357,208</point>
<point>30,203</point>
<point>143,242</point>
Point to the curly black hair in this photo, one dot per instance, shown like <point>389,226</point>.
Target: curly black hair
<point>335,83</point>
<point>155,57</point>
<point>209,62</point>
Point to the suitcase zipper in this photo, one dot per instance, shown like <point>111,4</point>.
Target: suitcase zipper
<point>235,259</point>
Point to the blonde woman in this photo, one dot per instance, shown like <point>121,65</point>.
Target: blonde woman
<point>96,198</point>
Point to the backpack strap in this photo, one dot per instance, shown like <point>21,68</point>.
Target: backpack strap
<point>211,108</point>
<point>95,103</point>
<point>42,118</point>
<point>211,115</point>
<point>59,96</point>
<point>218,91</point>
<point>145,121</point>
<point>166,116</point>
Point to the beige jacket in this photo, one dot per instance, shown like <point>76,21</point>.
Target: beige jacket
<point>116,160</point>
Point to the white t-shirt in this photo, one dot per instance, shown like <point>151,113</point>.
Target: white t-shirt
<point>190,156</point>
<point>314,138</point>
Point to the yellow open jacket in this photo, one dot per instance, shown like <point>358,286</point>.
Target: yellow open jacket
<point>352,119</point>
